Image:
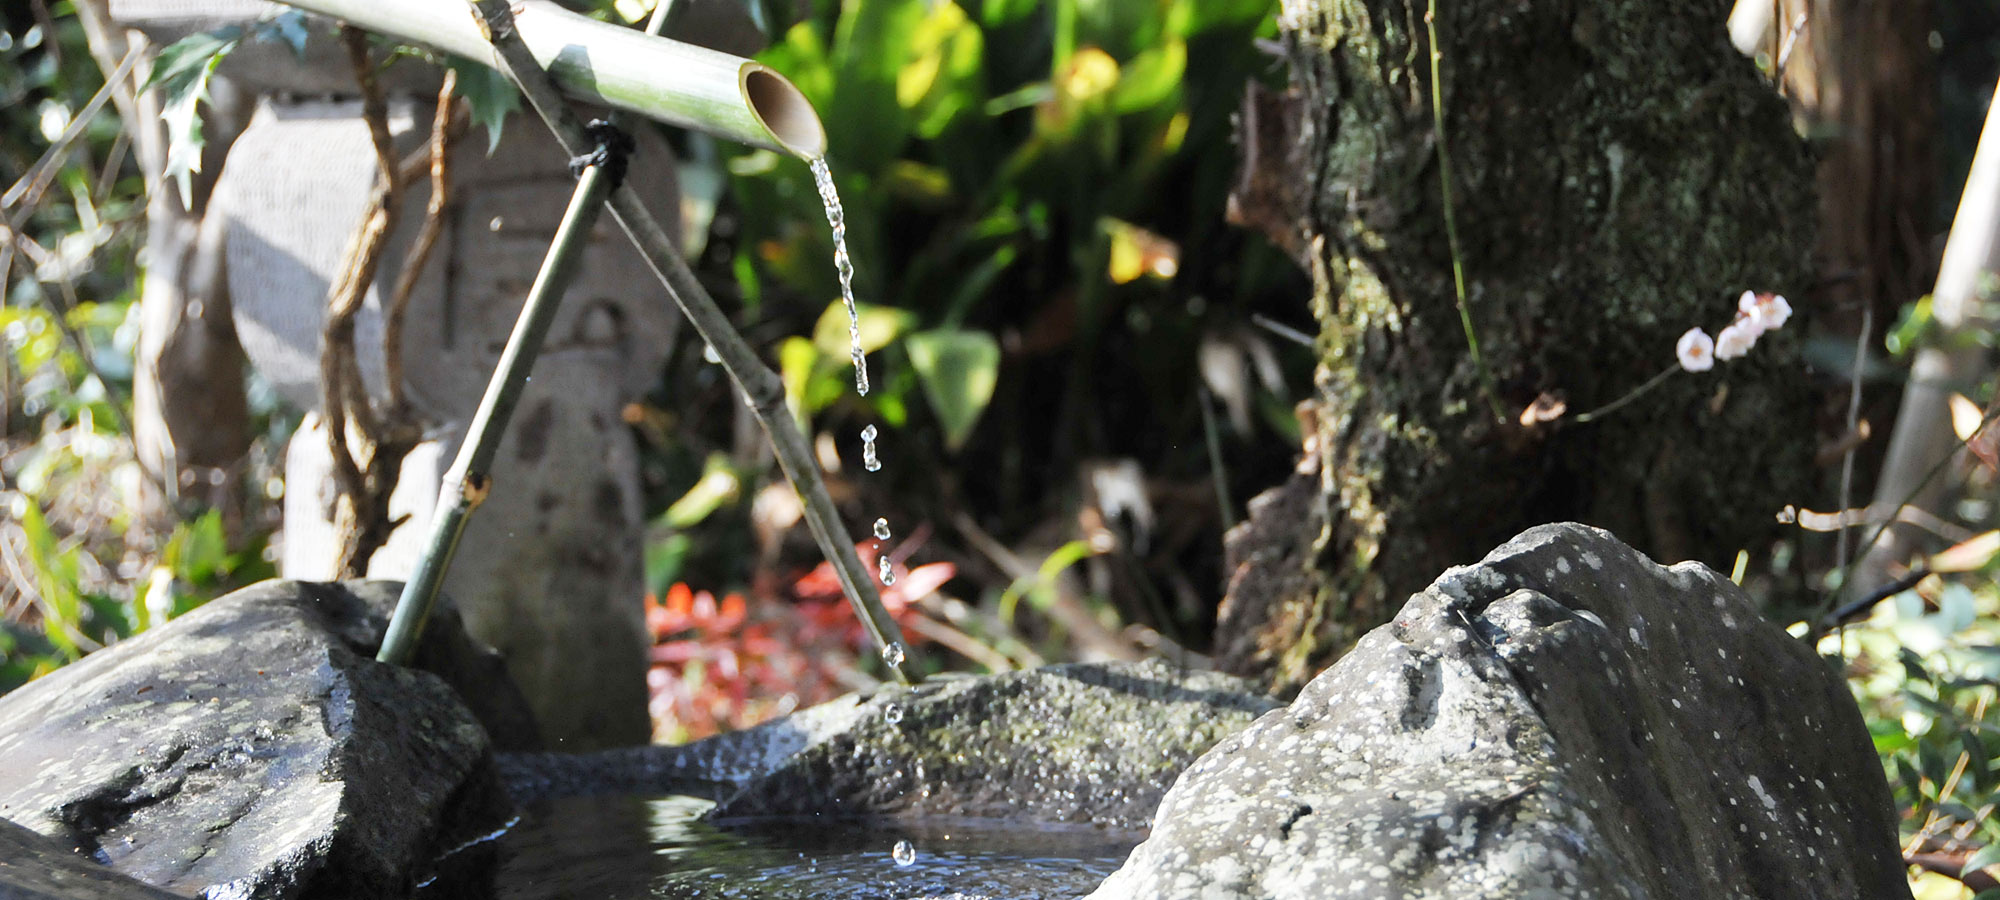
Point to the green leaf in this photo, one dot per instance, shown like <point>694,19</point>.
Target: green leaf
<point>959,370</point>
<point>1988,855</point>
<point>796,358</point>
<point>1151,79</point>
<point>996,13</point>
<point>55,575</point>
<point>490,95</point>
<point>287,25</point>
<point>1913,665</point>
<point>181,72</point>
<point>718,485</point>
<point>879,326</point>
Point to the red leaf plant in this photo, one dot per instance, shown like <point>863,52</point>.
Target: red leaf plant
<point>720,665</point>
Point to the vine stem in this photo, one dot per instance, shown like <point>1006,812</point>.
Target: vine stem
<point>1487,385</point>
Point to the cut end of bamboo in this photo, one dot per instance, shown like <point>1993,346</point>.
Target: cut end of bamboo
<point>783,111</point>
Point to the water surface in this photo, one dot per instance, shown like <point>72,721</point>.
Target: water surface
<point>625,848</point>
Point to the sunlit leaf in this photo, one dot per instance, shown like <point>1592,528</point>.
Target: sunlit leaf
<point>1151,79</point>
<point>879,326</point>
<point>181,73</point>
<point>717,485</point>
<point>959,370</point>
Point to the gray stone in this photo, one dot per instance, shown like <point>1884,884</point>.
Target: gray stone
<point>1093,743</point>
<point>254,748</point>
<point>33,867</point>
<point>1564,719</point>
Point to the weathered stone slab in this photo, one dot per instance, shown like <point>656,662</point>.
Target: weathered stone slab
<point>1087,743</point>
<point>254,748</point>
<point>1564,719</point>
<point>33,867</point>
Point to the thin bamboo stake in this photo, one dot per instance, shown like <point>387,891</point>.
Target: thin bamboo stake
<point>623,68</point>
<point>469,479</point>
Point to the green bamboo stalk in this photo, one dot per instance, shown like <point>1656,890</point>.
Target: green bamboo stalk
<point>622,68</point>
<point>761,387</point>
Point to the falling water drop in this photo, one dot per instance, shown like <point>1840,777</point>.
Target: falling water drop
<point>835,217</point>
<point>882,570</point>
<point>893,714</point>
<point>882,529</point>
<point>869,460</point>
<point>892,655</point>
<point>905,854</point>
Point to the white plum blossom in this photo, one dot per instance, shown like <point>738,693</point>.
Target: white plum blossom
<point>1767,311</point>
<point>1696,351</point>
<point>1736,340</point>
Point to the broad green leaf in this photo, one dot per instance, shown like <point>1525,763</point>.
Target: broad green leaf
<point>181,72</point>
<point>959,370</point>
<point>1151,79</point>
<point>997,13</point>
<point>872,42</point>
<point>796,358</point>
<point>1988,855</point>
<point>489,94</point>
<point>879,326</point>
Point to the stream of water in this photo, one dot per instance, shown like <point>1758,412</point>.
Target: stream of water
<point>836,217</point>
<point>627,848</point>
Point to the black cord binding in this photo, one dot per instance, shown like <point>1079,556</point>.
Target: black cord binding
<point>614,148</point>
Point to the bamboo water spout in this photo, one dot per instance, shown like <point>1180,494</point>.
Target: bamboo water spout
<point>623,68</point>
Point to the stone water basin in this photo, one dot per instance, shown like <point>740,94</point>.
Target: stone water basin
<point>627,848</point>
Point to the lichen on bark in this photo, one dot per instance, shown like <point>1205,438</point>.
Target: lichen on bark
<point>1619,174</point>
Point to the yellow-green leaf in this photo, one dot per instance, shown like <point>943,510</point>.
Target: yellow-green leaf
<point>879,326</point>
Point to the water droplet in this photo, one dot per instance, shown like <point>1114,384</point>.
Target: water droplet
<point>868,459</point>
<point>844,267</point>
<point>882,529</point>
<point>709,355</point>
<point>893,714</point>
<point>882,569</point>
<point>892,655</point>
<point>905,854</point>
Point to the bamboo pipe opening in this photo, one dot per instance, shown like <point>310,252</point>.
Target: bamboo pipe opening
<point>783,111</point>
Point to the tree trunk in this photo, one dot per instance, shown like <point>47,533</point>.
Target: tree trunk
<point>1620,174</point>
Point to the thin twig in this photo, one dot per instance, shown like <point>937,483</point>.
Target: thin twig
<point>1486,383</point>
<point>1840,553</point>
<point>1211,436</point>
<point>1630,396</point>
<point>1847,572</point>
<point>1842,615</point>
<point>28,190</point>
<point>420,251</point>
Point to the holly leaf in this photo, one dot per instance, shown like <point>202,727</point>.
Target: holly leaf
<point>286,25</point>
<point>490,95</point>
<point>181,73</point>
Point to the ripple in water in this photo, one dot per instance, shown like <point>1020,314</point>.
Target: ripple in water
<point>626,848</point>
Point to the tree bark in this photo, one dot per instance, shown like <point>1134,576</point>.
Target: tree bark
<point>1620,174</point>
